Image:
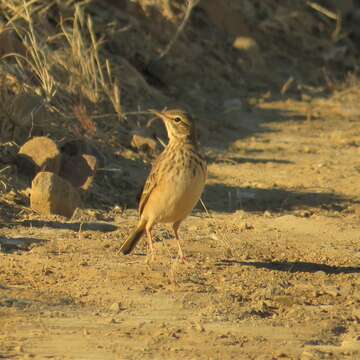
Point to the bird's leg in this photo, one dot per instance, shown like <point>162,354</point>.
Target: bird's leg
<point>180,252</point>
<point>150,243</point>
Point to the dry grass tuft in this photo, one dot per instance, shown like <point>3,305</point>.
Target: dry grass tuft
<point>89,75</point>
<point>85,120</point>
<point>63,68</point>
<point>37,53</point>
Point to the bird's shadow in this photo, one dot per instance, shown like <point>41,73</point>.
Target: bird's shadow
<point>293,266</point>
<point>243,160</point>
<point>74,226</point>
<point>10,245</point>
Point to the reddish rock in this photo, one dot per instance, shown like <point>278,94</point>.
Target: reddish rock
<point>79,170</point>
<point>39,154</point>
<point>249,47</point>
<point>50,194</point>
<point>142,140</point>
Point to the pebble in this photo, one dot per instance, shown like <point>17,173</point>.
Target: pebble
<point>115,307</point>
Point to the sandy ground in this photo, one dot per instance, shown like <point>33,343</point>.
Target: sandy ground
<point>272,272</point>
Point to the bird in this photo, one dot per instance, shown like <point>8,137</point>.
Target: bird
<point>175,183</point>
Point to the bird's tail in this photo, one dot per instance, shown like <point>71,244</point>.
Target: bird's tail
<point>129,244</point>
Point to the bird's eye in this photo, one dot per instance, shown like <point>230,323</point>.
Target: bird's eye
<point>177,119</point>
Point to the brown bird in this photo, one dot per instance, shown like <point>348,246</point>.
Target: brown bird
<point>175,183</point>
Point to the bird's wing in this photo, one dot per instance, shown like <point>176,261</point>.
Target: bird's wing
<point>151,182</point>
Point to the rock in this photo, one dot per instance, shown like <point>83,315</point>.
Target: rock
<point>142,140</point>
<point>115,307</point>
<point>267,214</point>
<point>79,170</point>
<point>245,226</point>
<point>76,147</point>
<point>245,43</point>
<point>50,194</point>
<point>38,154</point>
<point>199,326</point>
<point>249,47</point>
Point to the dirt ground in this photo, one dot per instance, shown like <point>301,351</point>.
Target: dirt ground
<point>272,271</point>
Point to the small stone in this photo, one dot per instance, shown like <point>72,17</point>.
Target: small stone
<point>308,355</point>
<point>245,226</point>
<point>199,326</point>
<point>29,356</point>
<point>333,291</point>
<point>19,348</point>
<point>142,140</point>
<point>282,355</point>
<point>267,214</point>
<point>79,170</point>
<point>50,194</point>
<point>241,214</point>
<point>305,213</point>
<point>249,46</point>
<point>309,150</point>
<point>39,154</point>
<point>115,307</point>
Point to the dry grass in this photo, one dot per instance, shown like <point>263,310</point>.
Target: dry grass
<point>3,186</point>
<point>64,68</point>
<point>36,62</point>
<point>190,5</point>
<point>94,78</point>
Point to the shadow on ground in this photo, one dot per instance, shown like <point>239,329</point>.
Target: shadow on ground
<point>295,266</point>
<point>244,160</point>
<point>9,245</point>
<point>100,226</point>
<point>222,198</point>
<point>228,128</point>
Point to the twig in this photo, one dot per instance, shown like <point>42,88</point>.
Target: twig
<point>161,142</point>
<point>336,34</point>
<point>111,169</point>
<point>205,208</point>
<point>321,9</point>
<point>190,5</point>
<point>286,85</point>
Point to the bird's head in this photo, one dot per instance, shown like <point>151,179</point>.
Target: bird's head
<point>179,124</point>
